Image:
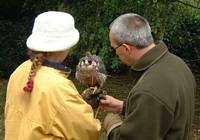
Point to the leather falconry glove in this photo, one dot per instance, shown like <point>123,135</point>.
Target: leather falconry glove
<point>93,96</point>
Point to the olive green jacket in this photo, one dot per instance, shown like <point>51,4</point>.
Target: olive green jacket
<point>54,110</point>
<point>160,106</point>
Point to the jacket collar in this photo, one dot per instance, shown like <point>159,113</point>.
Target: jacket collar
<point>57,66</point>
<point>151,57</point>
<point>54,65</point>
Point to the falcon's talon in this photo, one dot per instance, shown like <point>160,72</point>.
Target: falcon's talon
<point>86,90</point>
<point>94,89</point>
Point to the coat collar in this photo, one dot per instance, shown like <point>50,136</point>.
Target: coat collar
<point>57,66</point>
<point>151,57</point>
<point>54,65</point>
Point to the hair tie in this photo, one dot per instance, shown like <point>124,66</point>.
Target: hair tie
<point>29,86</point>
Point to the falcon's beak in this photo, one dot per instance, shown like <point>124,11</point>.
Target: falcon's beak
<point>87,63</point>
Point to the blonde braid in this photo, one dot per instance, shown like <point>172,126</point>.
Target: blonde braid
<point>37,61</point>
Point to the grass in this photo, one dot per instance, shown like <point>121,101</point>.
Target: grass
<point>3,84</point>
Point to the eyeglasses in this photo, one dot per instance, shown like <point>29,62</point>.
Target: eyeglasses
<point>113,50</point>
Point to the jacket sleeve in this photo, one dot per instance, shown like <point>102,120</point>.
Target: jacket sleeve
<point>147,118</point>
<point>75,118</point>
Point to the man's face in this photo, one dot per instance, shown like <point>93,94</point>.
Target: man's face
<point>119,50</point>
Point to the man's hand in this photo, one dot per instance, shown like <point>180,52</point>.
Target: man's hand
<point>112,104</point>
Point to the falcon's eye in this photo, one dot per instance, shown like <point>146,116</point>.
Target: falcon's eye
<point>90,62</point>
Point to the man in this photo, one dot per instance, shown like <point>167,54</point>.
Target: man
<point>160,106</point>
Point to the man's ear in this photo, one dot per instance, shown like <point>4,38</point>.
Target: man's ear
<point>127,47</point>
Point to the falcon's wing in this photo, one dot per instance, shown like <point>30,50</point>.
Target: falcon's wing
<point>100,66</point>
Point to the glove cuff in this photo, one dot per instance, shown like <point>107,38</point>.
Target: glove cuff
<point>112,127</point>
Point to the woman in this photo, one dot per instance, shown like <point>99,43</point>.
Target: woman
<point>41,103</point>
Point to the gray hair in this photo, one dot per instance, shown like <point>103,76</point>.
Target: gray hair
<point>132,29</point>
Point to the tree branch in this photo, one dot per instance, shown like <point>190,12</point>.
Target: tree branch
<point>188,4</point>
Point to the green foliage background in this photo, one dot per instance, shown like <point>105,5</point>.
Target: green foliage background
<point>172,21</point>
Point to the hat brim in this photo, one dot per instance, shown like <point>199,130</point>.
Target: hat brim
<point>41,43</point>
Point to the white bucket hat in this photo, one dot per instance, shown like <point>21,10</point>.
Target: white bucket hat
<point>53,31</point>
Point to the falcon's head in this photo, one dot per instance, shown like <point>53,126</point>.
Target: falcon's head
<point>91,71</point>
<point>88,62</point>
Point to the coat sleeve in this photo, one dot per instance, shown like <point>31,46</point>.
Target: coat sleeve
<point>75,118</point>
<point>147,118</point>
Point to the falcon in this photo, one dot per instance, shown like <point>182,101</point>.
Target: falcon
<point>91,71</point>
